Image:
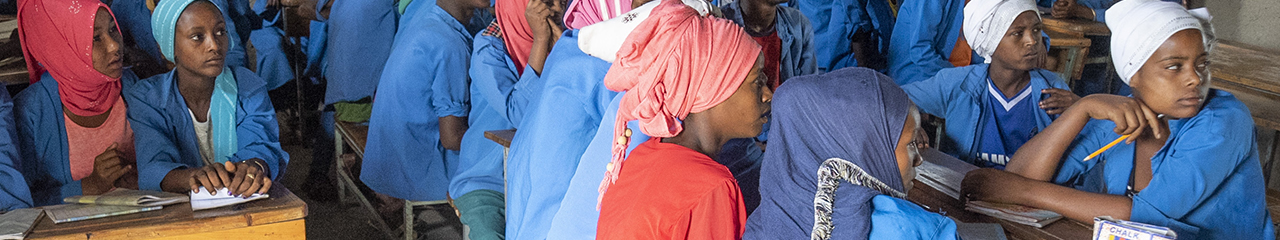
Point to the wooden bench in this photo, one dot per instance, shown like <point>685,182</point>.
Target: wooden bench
<point>282,216</point>
<point>1078,27</point>
<point>355,135</point>
<point>1246,65</point>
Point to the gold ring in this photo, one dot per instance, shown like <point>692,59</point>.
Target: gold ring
<point>250,176</point>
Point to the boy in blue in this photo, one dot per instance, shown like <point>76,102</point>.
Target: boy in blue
<point>992,109</point>
<point>850,33</point>
<point>205,125</point>
<point>1196,171</point>
<point>420,113</point>
<point>785,34</point>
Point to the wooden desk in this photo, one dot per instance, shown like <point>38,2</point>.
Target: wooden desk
<point>1264,106</point>
<point>502,137</point>
<point>1075,26</point>
<point>1071,60</point>
<point>1246,65</point>
<point>279,217</point>
<point>937,201</point>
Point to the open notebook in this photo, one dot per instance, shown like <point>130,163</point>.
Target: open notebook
<point>129,197</point>
<point>203,200</point>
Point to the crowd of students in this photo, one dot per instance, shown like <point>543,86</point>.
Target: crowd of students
<point>642,119</point>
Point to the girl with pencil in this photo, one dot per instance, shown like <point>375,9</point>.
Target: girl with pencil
<point>1188,160</point>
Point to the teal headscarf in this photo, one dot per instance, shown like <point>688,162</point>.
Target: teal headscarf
<point>222,105</point>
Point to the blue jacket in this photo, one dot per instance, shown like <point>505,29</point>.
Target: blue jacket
<point>493,81</point>
<point>556,129</point>
<point>14,193</point>
<point>923,37</point>
<point>42,134</point>
<point>1206,182</point>
<point>273,65</point>
<point>425,78</point>
<point>958,94</point>
<point>835,22</point>
<point>796,34</point>
<point>359,40</point>
<point>895,218</point>
<point>165,138</point>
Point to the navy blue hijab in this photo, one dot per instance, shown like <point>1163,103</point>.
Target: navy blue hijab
<point>855,114</point>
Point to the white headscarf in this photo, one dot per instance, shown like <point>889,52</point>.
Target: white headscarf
<point>1139,27</point>
<point>603,39</point>
<point>985,22</point>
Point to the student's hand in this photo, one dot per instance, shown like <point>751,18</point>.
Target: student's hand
<point>1058,101</point>
<point>108,167</point>
<point>537,13</point>
<point>249,177</point>
<point>1063,9</point>
<point>1130,115</point>
<point>211,177</point>
<point>992,185</point>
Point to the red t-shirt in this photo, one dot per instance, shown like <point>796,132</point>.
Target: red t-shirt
<point>667,191</point>
<point>772,47</point>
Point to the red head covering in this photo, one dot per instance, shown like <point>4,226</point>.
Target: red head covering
<point>57,36</point>
<point>675,63</point>
<point>516,34</point>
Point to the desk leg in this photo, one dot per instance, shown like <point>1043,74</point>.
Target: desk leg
<point>337,162</point>
<point>1069,68</point>
<point>505,150</point>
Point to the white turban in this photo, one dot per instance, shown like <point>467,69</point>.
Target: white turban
<point>985,22</point>
<point>1139,27</point>
<point>603,39</point>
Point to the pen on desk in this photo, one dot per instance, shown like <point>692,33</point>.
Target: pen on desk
<point>1104,148</point>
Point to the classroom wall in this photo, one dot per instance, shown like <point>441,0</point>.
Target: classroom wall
<point>1251,22</point>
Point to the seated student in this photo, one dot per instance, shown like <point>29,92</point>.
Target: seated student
<point>992,109</point>
<point>850,33</point>
<point>420,113</point>
<point>1196,171</point>
<point>507,55</point>
<point>73,132</point>
<point>852,127</point>
<point>14,193</point>
<point>783,32</point>
<point>268,43</point>
<point>692,98</point>
<point>205,125</point>
<point>1096,9</point>
<point>926,39</point>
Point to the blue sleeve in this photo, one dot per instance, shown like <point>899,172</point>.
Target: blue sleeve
<point>1094,135</point>
<point>257,132</point>
<point>932,95</point>
<point>157,150</point>
<point>808,59</point>
<point>449,93</point>
<point>1213,148</point>
<point>315,48</point>
<point>14,193</point>
<point>492,75</point>
<point>1099,7</point>
<point>911,50</point>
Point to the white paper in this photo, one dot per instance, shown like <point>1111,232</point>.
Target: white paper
<point>202,200</point>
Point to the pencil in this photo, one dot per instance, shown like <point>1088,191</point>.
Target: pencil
<point>1104,148</point>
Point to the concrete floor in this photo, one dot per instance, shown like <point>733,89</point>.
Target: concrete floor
<point>332,220</point>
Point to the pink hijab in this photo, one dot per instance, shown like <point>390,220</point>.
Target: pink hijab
<point>674,63</point>
<point>582,13</point>
<point>57,37</point>
<point>516,34</point>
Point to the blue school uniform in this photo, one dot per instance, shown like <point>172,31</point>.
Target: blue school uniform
<point>166,139</point>
<point>835,22</point>
<point>1206,182</point>
<point>42,139</point>
<point>42,145</point>
<point>273,65</point>
<point>360,36</point>
<point>134,20</point>
<point>556,129</point>
<point>896,218</point>
<point>959,96</point>
<point>493,79</point>
<point>14,193</point>
<point>1012,123</point>
<point>797,37</point>
<point>425,78</point>
<point>923,37</point>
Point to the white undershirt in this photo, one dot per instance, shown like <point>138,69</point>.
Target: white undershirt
<point>204,137</point>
